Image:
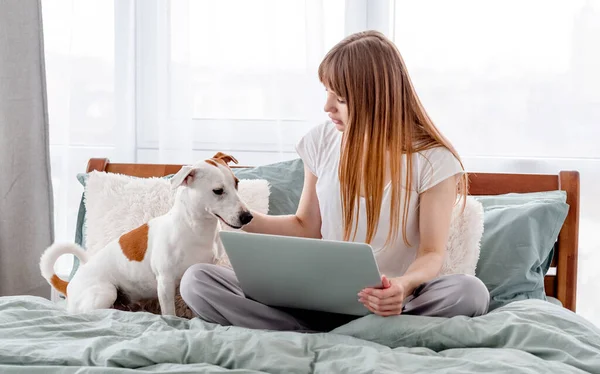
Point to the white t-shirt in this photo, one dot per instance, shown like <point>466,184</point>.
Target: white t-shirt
<point>320,151</point>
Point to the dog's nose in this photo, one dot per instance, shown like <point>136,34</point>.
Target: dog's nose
<point>246,217</point>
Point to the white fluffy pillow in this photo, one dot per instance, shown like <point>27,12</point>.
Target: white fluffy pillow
<point>464,239</point>
<point>117,203</point>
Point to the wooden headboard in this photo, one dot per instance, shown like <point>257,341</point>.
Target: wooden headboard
<point>562,286</point>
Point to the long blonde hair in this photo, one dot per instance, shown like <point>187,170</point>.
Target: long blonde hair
<point>385,116</point>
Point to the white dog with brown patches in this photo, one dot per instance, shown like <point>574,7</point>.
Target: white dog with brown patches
<point>149,261</point>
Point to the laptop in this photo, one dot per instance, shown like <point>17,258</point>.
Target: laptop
<point>302,273</point>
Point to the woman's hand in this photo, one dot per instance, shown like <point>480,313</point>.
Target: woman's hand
<point>387,301</point>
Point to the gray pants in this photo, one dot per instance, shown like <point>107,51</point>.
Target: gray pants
<point>214,294</point>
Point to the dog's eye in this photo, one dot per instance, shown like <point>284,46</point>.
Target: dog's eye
<point>218,191</point>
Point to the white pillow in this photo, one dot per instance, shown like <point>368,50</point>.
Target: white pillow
<point>116,203</point>
<point>466,230</point>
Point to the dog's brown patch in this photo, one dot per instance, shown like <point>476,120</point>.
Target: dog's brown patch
<point>223,159</point>
<point>220,161</point>
<point>135,243</point>
<point>59,284</point>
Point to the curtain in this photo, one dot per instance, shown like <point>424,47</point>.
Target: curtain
<point>515,85</point>
<point>25,189</point>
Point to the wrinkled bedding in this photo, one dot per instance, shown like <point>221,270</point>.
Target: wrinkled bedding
<point>530,336</point>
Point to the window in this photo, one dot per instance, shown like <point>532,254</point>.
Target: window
<point>248,78</point>
<point>532,87</point>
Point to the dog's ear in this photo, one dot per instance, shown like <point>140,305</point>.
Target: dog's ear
<point>183,177</point>
<point>226,158</point>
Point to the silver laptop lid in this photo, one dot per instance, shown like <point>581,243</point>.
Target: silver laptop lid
<point>302,273</point>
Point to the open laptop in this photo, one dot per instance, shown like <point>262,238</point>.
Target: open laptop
<point>302,273</point>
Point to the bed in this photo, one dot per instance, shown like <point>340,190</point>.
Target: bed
<point>561,283</point>
<point>525,336</point>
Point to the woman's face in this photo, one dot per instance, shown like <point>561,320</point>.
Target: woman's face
<point>337,110</point>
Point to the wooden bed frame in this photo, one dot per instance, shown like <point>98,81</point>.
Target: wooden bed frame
<point>562,286</point>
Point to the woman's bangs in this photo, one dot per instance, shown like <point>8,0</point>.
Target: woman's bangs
<point>331,74</point>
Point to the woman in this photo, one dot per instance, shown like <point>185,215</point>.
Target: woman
<point>357,169</point>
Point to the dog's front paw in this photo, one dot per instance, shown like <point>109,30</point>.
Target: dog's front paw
<point>168,311</point>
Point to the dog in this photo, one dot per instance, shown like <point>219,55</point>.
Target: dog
<point>149,261</point>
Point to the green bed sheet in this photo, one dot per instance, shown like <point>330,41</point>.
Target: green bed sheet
<point>530,336</point>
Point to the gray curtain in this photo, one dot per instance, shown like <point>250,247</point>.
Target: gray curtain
<point>26,211</point>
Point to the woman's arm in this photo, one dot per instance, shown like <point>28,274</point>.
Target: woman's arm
<point>305,223</point>
<point>435,214</point>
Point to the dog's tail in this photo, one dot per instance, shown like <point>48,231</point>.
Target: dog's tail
<point>49,258</point>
